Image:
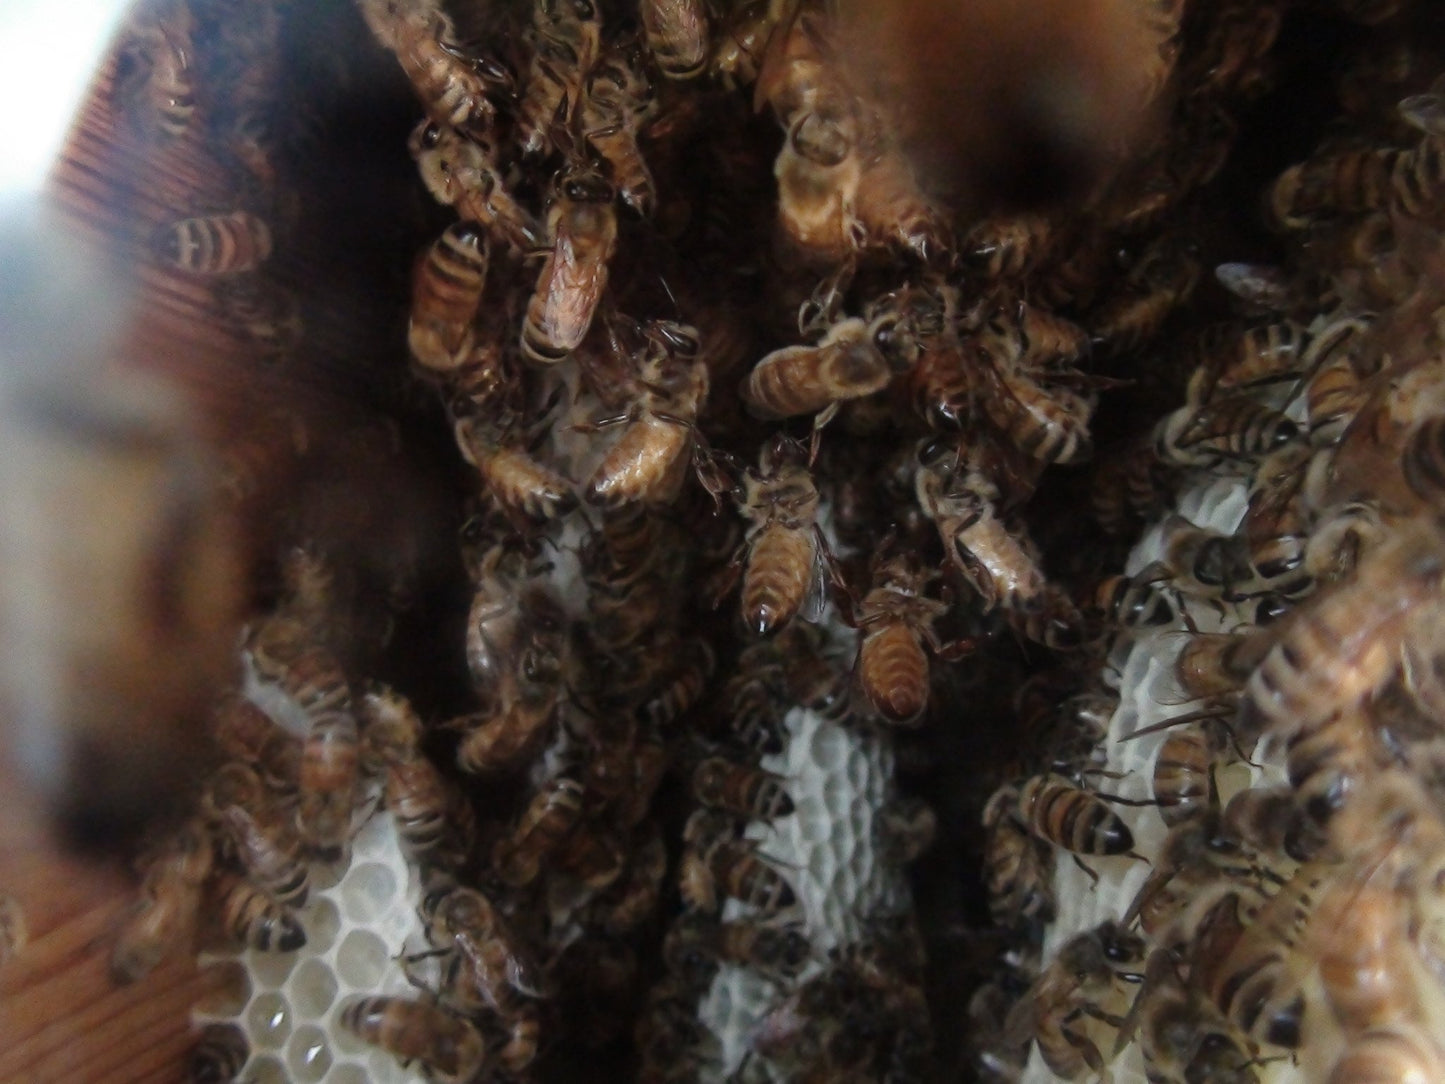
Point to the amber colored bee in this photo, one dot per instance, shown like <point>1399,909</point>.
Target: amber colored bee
<point>738,55</point>
<point>1226,358</point>
<point>896,619</point>
<point>1181,1035</point>
<point>717,864</point>
<point>780,504</point>
<point>894,210</point>
<point>1050,424</point>
<point>447,1044</point>
<point>632,899</point>
<point>676,32</point>
<point>553,814</point>
<point>738,788</point>
<point>1183,782</point>
<point>14,933</point>
<point>330,756</point>
<point>1063,1008</point>
<point>566,39</point>
<point>646,463</point>
<point>1018,868</point>
<point>268,315</point>
<point>582,228</point>
<point>452,86</point>
<point>1008,246</point>
<point>1232,428</point>
<point>854,359</point>
<point>1253,977</point>
<point>1064,815</point>
<point>615,106</point>
<point>1269,820</point>
<point>696,942</point>
<point>156,68</point>
<point>460,170</point>
<point>255,919</point>
<point>593,855</point>
<point>1341,645</point>
<point>246,733</point>
<point>907,828</point>
<point>269,862</point>
<point>1162,281</point>
<point>446,291</point>
<point>1389,1051</point>
<point>220,244</point>
<point>434,821</point>
<point>165,917</point>
<point>487,964</point>
<point>1351,182</point>
<point>529,491</point>
<point>218,1056</point>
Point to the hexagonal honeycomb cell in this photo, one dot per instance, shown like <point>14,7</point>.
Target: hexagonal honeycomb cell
<point>355,930</point>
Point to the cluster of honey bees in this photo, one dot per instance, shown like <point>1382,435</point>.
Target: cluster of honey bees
<point>753,420</point>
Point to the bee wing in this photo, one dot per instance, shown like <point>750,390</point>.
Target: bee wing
<point>572,294</point>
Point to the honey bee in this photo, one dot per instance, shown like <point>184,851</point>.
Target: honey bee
<point>447,1044</point>
<point>219,1055</point>
<point>529,491</point>
<point>993,559</point>
<point>1162,281</point>
<point>1196,858</point>
<point>819,173</point>
<point>616,104</point>
<point>266,314</point>
<point>1077,989</point>
<point>255,919</point>
<point>1358,180</point>
<point>246,733</point>
<point>452,86</point>
<point>170,897</point>
<point>780,503</point>
<point>1225,357</point>
<point>738,55</point>
<point>645,465</point>
<point>434,822</point>
<point>897,618</point>
<point>269,862</point>
<point>582,227</point>
<point>1183,782</point>
<point>566,38</point>
<point>696,942</point>
<point>1008,246</point>
<point>1065,816</point>
<point>1387,1052</point>
<point>1050,424</point>
<point>737,788</point>
<point>631,900</point>
<point>593,855</point>
<point>1252,977</point>
<point>219,244</point>
<point>1128,485</point>
<point>1132,602</point>
<point>1269,820</point>
<point>487,965</point>
<point>894,210</point>
<point>446,291</point>
<point>907,828</point>
<point>14,933</point>
<point>683,684</point>
<point>156,68</point>
<point>330,756</point>
<point>553,814</point>
<point>1237,427</point>
<point>1213,665</point>
<point>854,359</point>
<point>459,169</point>
<point>677,35</point>
<point>717,864</point>
<point>1341,646</point>
<point>1181,1035</point>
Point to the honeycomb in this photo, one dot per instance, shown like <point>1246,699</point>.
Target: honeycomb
<point>356,932</point>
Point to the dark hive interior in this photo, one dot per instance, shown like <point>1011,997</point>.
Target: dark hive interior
<point>681,462</point>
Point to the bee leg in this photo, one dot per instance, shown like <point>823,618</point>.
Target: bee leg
<point>600,424</point>
<point>1093,877</point>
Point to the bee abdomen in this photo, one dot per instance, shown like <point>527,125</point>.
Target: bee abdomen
<point>218,1056</point>
<point>222,244</point>
<point>894,670</point>
<point>257,920</point>
<point>780,569</point>
<point>1062,814</point>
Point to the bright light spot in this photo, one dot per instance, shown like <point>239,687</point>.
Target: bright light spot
<point>48,52</point>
